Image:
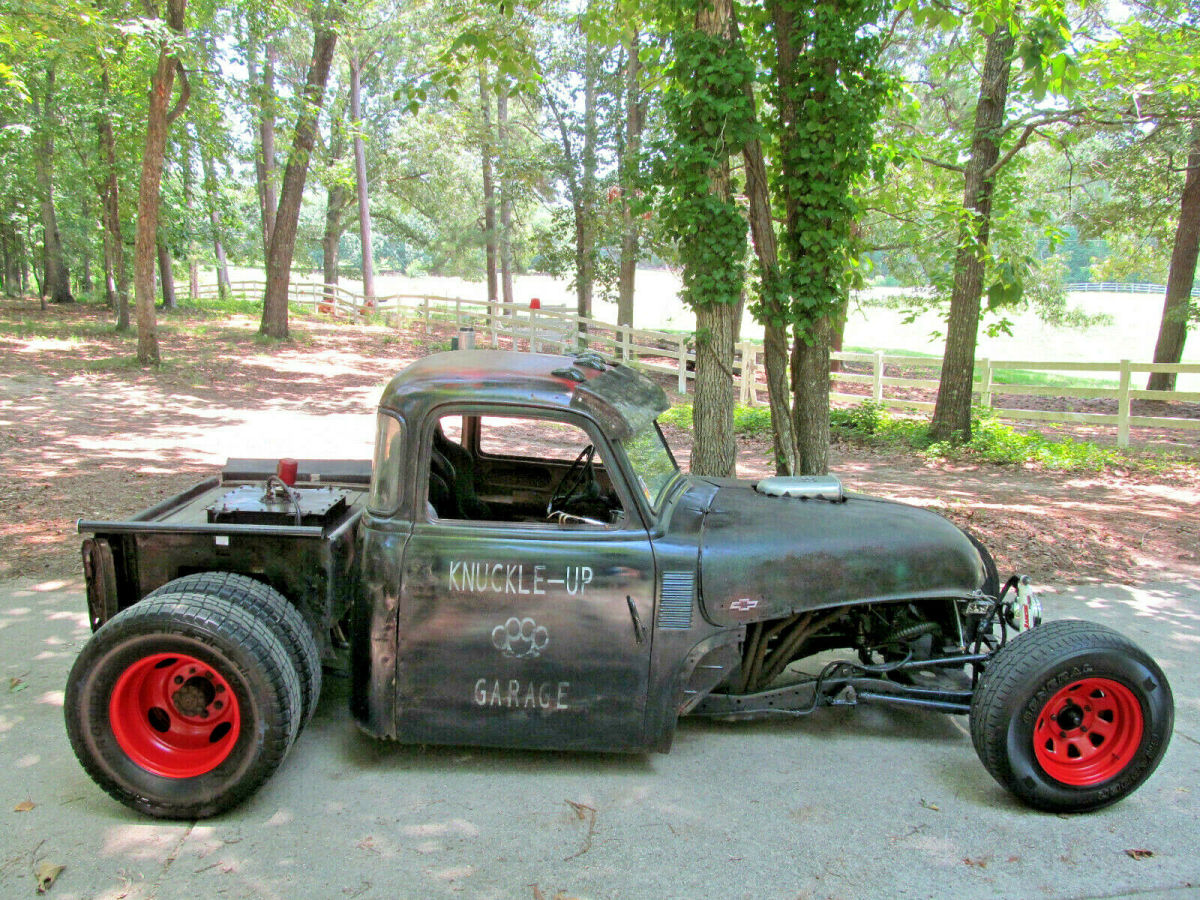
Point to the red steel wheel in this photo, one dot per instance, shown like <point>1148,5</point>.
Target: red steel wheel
<point>182,705</point>
<point>174,715</point>
<point>1088,732</point>
<point>1071,716</point>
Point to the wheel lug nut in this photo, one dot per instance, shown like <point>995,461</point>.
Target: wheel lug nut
<point>204,714</point>
<point>179,679</point>
<point>217,704</point>
<point>220,688</point>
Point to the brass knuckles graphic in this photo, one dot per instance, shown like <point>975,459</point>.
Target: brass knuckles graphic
<point>520,638</point>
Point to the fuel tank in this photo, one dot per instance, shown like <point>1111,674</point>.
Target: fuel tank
<point>764,556</point>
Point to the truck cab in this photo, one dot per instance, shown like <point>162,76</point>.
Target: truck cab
<point>513,556</point>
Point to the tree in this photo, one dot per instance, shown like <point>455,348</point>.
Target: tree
<point>952,412</point>
<point>629,161</point>
<point>56,283</point>
<point>360,173</point>
<point>283,238</point>
<point>1172,331</point>
<point>709,119</point>
<point>159,118</point>
<point>1043,40</point>
<point>828,93</point>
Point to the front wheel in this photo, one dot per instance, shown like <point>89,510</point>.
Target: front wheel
<point>182,705</point>
<point>1071,716</point>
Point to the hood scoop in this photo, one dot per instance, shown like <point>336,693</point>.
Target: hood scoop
<point>803,487</point>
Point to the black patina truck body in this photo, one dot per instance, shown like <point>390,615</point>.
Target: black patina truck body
<point>524,565</point>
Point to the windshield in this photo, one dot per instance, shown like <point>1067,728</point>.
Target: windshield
<point>653,465</point>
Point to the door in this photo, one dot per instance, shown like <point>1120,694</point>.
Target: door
<point>520,626</point>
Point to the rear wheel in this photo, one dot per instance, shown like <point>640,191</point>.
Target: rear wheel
<point>182,705</point>
<point>270,606</point>
<point>1071,716</point>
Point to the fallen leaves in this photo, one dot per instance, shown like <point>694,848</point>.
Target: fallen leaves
<point>583,813</point>
<point>24,806</point>
<point>46,873</point>
<point>1139,853</point>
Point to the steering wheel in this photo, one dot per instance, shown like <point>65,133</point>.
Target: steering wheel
<point>580,475</point>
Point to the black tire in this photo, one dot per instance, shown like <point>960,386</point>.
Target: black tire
<point>149,713</point>
<point>271,607</point>
<point>1071,716</point>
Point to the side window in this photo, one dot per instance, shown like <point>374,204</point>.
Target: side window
<point>519,470</point>
<point>385,465</point>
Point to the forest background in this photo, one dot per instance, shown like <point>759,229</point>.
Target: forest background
<point>779,154</point>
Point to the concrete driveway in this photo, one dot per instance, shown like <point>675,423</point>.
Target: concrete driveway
<point>857,803</point>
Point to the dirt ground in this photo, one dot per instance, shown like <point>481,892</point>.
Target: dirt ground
<point>86,433</point>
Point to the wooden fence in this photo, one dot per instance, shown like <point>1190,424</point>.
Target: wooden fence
<point>556,329</point>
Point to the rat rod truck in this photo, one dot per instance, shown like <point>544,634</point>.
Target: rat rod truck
<point>523,564</point>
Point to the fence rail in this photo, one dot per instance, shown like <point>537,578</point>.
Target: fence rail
<point>1122,287</point>
<point>536,329</point>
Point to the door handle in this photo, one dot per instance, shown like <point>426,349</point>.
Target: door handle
<point>639,630</point>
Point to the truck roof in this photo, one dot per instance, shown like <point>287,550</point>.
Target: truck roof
<point>622,400</point>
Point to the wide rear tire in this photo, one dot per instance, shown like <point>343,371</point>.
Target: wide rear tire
<point>269,606</point>
<point>1071,716</point>
<point>182,705</point>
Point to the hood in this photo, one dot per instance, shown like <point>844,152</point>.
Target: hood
<point>763,557</point>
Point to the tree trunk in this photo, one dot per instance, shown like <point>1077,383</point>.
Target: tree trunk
<point>264,160</point>
<point>166,276</point>
<point>56,282</point>
<point>837,338</point>
<point>772,312</point>
<point>489,190</point>
<point>718,319</point>
<point>630,155</point>
<point>85,252</point>
<point>146,236</point>
<point>1172,332</point>
<point>224,289</point>
<point>11,242</point>
<point>360,179</point>
<point>810,345</point>
<point>506,200</point>
<point>336,200</point>
<point>586,219</point>
<point>952,413</point>
<point>283,239</point>
<point>118,279</point>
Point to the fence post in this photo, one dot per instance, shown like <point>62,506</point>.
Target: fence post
<point>985,384</point>
<point>683,355</point>
<point>746,386</point>
<point>625,342</point>
<point>1123,405</point>
<point>877,377</point>
<point>535,344</point>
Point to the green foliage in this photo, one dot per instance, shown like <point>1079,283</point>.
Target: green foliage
<point>709,119</point>
<point>826,103</point>
<point>752,421</point>
<point>993,442</point>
